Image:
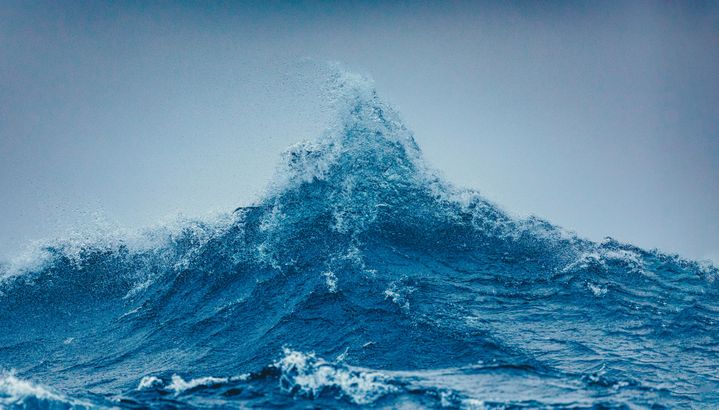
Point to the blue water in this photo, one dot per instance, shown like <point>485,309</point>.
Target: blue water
<point>360,278</point>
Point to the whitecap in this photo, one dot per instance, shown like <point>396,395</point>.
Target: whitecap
<point>310,375</point>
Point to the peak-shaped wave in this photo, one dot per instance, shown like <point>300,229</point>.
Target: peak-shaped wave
<point>360,250</point>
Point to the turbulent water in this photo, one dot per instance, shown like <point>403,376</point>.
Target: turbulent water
<point>360,279</point>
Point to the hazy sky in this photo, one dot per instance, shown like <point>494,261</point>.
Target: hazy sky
<point>602,117</point>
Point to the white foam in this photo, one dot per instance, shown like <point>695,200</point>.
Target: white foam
<point>103,236</point>
<point>178,384</point>
<point>33,258</point>
<point>709,270</point>
<point>473,404</point>
<point>331,281</point>
<point>16,392</point>
<point>310,375</point>
<point>399,295</point>
<point>149,382</point>
<point>307,161</point>
<point>597,290</point>
<point>600,256</point>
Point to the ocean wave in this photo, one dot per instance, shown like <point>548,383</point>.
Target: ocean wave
<point>431,295</point>
<point>16,393</point>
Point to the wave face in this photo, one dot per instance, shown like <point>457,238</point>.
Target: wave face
<point>360,279</point>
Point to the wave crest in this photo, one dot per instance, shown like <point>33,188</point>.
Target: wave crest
<point>357,247</point>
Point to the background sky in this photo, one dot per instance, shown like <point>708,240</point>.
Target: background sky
<point>600,117</point>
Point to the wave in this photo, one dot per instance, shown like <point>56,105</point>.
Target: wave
<point>17,393</point>
<point>429,296</point>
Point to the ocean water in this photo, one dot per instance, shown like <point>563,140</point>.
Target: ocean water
<point>361,278</point>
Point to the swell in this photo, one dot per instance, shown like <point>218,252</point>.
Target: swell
<point>359,250</point>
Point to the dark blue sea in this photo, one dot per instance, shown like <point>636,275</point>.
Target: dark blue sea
<point>360,278</point>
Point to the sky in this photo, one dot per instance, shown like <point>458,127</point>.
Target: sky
<point>600,117</point>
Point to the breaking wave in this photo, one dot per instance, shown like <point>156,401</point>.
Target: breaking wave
<point>360,278</point>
